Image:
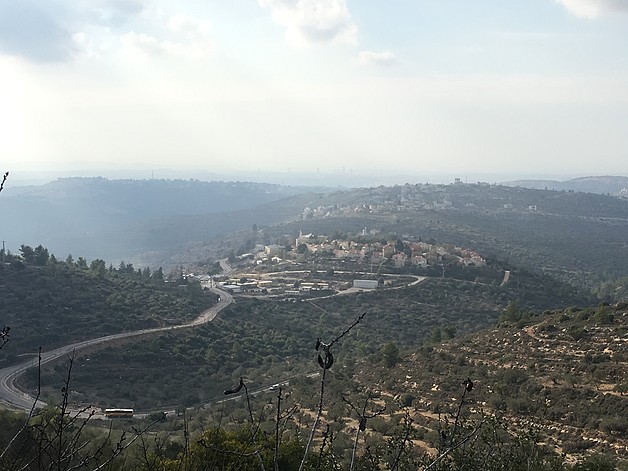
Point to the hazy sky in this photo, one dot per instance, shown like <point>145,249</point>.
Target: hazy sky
<point>534,86</point>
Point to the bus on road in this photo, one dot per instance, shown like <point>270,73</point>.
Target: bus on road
<point>119,413</point>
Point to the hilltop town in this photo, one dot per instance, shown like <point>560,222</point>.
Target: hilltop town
<point>320,265</point>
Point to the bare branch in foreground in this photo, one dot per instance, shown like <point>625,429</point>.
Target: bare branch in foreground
<point>4,179</point>
<point>325,364</point>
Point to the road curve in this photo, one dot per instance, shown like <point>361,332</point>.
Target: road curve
<point>13,398</point>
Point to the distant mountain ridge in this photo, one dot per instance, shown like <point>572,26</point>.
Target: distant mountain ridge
<point>96,217</point>
<point>153,198</point>
<point>607,184</point>
<point>579,237</point>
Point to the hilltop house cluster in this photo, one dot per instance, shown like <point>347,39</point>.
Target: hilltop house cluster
<point>385,200</point>
<point>457,196</point>
<point>399,253</point>
<point>296,279</point>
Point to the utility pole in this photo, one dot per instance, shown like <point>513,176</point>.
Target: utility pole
<point>3,250</point>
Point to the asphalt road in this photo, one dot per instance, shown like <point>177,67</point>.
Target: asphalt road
<point>224,265</point>
<point>13,398</point>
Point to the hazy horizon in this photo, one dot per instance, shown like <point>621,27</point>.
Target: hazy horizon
<point>347,178</point>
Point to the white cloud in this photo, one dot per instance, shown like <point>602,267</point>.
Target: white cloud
<point>594,8</point>
<point>64,30</point>
<point>143,43</point>
<point>35,31</point>
<point>383,58</point>
<point>110,12</point>
<point>147,45</point>
<point>190,40</point>
<point>187,25</point>
<point>59,30</point>
<point>310,22</point>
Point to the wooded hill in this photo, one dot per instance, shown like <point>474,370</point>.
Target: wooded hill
<point>554,379</point>
<point>119,220</point>
<point>563,373</point>
<point>518,369</point>
<point>548,389</point>
<point>49,303</point>
<point>602,184</point>
<point>268,341</point>
<point>579,237</point>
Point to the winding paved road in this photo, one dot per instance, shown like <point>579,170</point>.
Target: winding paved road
<point>13,398</point>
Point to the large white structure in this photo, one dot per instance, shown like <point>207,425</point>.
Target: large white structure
<point>365,284</point>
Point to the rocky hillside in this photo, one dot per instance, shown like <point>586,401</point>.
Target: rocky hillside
<point>563,374</point>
